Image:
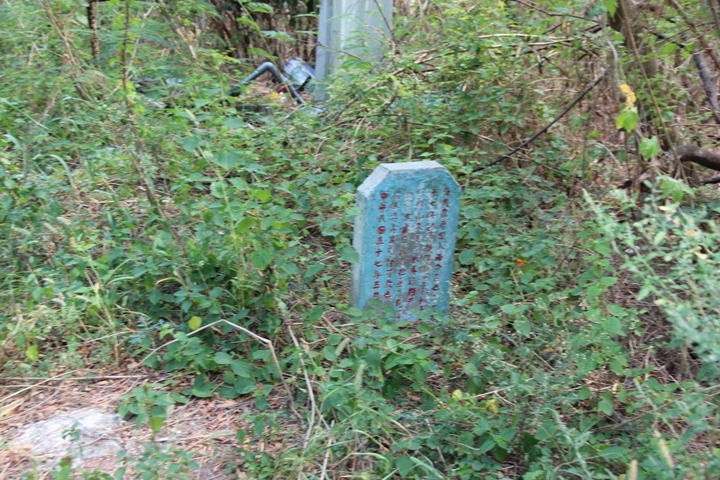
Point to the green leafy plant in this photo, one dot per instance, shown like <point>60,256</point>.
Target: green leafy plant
<point>148,404</point>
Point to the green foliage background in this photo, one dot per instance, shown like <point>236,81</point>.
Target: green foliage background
<point>164,224</point>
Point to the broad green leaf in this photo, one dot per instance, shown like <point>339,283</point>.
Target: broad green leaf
<point>350,255</point>
<point>404,464</point>
<point>649,147</point>
<point>546,430</point>
<point>627,120</point>
<point>523,327</point>
<point>466,256</point>
<point>243,386</point>
<point>201,102</point>
<point>262,195</point>
<point>584,393</point>
<point>241,368</point>
<point>222,358</point>
<point>32,352</point>
<point>261,258</point>
<point>373,358</point>
<point>202,388</point>
<point>486,446</point>
<point>612,452</point>
<point>244,225</point>
<point>470,369</point>
<point>234,122</point>
<point>611,6</point>
<point>585,366</point>
<point>329,353</point>
<point>190,143</point>
<point>618,363</point>
<point>606,406</point>
<point>156,423</point>
<point>612,325</point>
<point>677,189</point>
<point>195,322</point>
<point>225,159</point>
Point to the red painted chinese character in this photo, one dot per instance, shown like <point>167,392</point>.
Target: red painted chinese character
<point>412,292</point>
<point>382,207</point>
<point>383,195</point>
<point>387,295</point>
<point>376,285</point>
<point>439,257</point>
<point>381,229</point>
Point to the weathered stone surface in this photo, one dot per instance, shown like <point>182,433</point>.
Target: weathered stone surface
<point>405,235</point>
<point>98,435</point>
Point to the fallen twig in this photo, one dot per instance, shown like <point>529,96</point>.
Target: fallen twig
<point>56,377</point>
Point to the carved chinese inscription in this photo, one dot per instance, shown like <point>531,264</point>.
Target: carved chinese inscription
<point>405,235</point>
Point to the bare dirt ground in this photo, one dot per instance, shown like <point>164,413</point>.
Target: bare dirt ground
<point>34,413</point>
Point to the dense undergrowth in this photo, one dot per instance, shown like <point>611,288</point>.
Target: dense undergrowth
<point>169,226</point>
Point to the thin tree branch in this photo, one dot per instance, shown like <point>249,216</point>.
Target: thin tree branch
<point>547,127</point>
<point>703,41</point>
<point>707,81</point>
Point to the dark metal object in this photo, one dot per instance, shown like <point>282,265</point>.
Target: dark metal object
<point>277,76</point>
<point>299,73</point>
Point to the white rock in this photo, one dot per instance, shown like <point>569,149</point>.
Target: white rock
<point>98,435</point>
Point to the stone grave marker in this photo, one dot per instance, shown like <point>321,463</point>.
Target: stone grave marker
<point>405,235</point>
<point>350,27</point>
